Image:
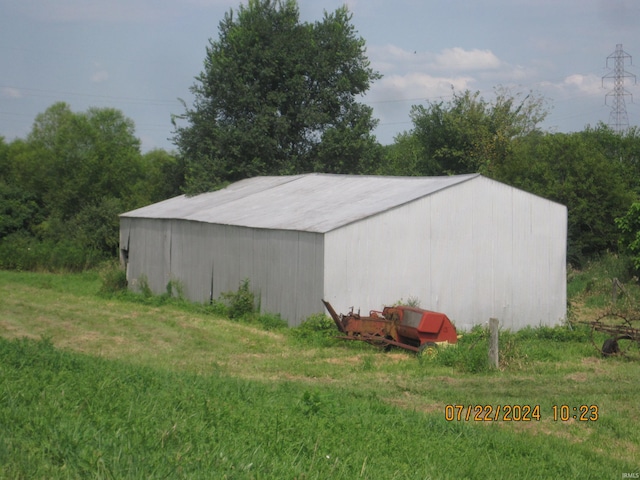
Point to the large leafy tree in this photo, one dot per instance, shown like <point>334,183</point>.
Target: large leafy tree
<point>470,134</point>
<point>629,226</point>
<point>278,96</point>
<point>404,157</point>
<point>575,170</point>
<point>164,177</point>
<point>620,147</point>
<point>80,158</point>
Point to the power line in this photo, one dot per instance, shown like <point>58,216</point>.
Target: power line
<point>35,92</point>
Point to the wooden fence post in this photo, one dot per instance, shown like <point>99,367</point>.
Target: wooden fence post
<point>493,343</point>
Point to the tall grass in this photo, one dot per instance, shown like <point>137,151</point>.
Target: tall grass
<point>66,415</point>
<point>126,386</point>
<point>606,284</point>
<point>25,253</point>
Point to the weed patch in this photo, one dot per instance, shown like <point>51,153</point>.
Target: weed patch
<point>240,303</point>
<point>318,330</point>
<point>114,279</point>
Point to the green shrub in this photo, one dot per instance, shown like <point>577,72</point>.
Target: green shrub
<point>18,252</point>
<point>21,252</point>
<point>411,301</point>
<point>143,286</point>
<point>470,354</point>
<point>217,307</point>
<point>310,403</point>
<point>114,279</point>
<point>317,328</point>
<point>241,302</point>
<point>272,321</point>
<point>175,288</point>
<point>561,333</point>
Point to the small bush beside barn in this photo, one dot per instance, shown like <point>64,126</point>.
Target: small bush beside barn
<point>465,245</point>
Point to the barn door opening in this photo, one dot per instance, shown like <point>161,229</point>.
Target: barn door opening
<point>124,256</point>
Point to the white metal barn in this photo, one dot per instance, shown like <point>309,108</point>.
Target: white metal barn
<point>464,245</point>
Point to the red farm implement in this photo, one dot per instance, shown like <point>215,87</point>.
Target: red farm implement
<point>406,327</point>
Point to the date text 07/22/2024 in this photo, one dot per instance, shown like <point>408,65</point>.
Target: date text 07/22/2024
<point>519,413</point>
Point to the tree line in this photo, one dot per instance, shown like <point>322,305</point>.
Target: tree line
<point>63,187</point>
<point>279,96</point>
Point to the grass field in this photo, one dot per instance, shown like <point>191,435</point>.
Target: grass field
<point>98,387</point>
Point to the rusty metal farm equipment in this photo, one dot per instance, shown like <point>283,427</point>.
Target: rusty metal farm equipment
<point>406,327</point>
<point>623,334</point>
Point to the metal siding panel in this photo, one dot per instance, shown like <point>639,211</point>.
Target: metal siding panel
<point>148,253</point>
<point>453,237</point>
<point>282,266</point>
<point>136,247</point>
<point>476,251</point>
<point>309,276</point>
<point>203,260</point>
<point>274,270</point>
<point>286,273</point>
<point>232,258</point>
<point>125,227</point>
<point>526,256</point>
<point>513,246</point>
<point>191,259</point>
<point>540,260</point>
<point>219,268</point>
<point>379,260</point>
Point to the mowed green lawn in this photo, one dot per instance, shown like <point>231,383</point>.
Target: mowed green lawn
<point>92,387</point>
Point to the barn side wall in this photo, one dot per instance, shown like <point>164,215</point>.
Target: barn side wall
<point>284,268</point>
<point>478,250</point>
<point>145,247</point>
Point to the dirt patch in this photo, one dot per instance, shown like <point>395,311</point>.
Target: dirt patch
<point>240,356</point>
<point>377,359</point>
<point>591,361</point>
<point>398,357</point>
<point>11,332</point>
<point>595,365</point>
<point>577,377</point>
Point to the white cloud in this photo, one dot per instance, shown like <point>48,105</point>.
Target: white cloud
<point>458,59</point>
<point>392,97</point>
<point>417,84</point>
<point>10,92</point>
<point>578,84</point>
<point>590,84</point>
<point>391,58</point>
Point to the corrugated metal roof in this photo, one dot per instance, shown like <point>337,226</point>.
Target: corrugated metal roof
<point>313,202</point>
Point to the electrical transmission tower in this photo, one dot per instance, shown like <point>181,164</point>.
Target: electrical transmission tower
<point>618,118</point>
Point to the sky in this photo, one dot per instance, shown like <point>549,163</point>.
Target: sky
<point>142,56</point>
